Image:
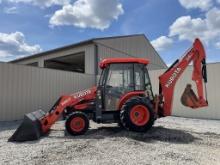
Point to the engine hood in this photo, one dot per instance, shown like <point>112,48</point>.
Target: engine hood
<point>87,94</point>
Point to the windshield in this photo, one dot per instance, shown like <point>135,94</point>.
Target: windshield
<point>121,76</point>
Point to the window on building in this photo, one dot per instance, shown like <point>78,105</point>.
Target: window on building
<point>74,62</point>
<point>33,64</point>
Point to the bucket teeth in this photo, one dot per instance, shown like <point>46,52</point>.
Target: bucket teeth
<point>30,128</point>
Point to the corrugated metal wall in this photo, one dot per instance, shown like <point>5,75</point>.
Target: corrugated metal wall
<point>136,46</point>
<point>24,89</point>
<point>213,88</point>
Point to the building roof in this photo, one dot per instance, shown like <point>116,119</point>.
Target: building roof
<point>86,42</point>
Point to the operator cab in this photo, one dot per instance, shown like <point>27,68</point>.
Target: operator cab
<point>122,76</point>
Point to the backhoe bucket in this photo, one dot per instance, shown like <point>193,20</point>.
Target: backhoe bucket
<point>189,98</point>
<point>30,128</point>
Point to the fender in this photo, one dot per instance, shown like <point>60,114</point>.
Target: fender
<point>127,96</point>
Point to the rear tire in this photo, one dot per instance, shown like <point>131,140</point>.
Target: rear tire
<point>77,123</point>
<point>137,114</point>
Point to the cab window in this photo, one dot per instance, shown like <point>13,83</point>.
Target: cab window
<point>121,77</point>
<point>139,77</point>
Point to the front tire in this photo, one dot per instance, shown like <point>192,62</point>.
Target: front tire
<point>77,123</point>
<point>137,114</point>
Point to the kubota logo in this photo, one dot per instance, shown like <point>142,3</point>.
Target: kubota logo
<point>173,77</point>
<point>81,94</point>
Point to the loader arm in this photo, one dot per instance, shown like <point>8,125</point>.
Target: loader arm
<point>38,123</point>
<point>167,80</point>
<point>65,101</point>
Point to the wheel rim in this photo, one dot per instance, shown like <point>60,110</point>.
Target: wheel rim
<point>77,124</point>
<point>139,115</point>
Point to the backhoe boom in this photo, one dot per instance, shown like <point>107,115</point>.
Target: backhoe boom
<point>168,80</point>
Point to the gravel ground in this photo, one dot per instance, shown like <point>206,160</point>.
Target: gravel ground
<point>172,140</point>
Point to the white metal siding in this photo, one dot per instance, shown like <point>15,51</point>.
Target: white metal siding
<point>210,112</point>
<point>25,89</point>
<point>132,46</point>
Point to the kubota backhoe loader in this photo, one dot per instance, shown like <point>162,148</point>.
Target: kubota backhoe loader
<point>123,95</point>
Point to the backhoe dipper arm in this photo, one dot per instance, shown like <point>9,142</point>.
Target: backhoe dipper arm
<point>168,79</point>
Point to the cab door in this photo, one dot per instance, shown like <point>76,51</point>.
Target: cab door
<point>120,80</point>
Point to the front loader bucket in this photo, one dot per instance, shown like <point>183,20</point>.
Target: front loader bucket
<point>30,128</point>
<point>189,98</point>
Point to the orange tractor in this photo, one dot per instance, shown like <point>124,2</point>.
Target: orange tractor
<point>124,95</point>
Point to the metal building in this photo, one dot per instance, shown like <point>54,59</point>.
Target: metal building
<point>25,88</point>
<point>84,56</point>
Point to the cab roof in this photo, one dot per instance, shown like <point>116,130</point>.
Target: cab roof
<point>104,63</point>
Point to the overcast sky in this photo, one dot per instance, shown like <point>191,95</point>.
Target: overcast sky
<point>31,26</point>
